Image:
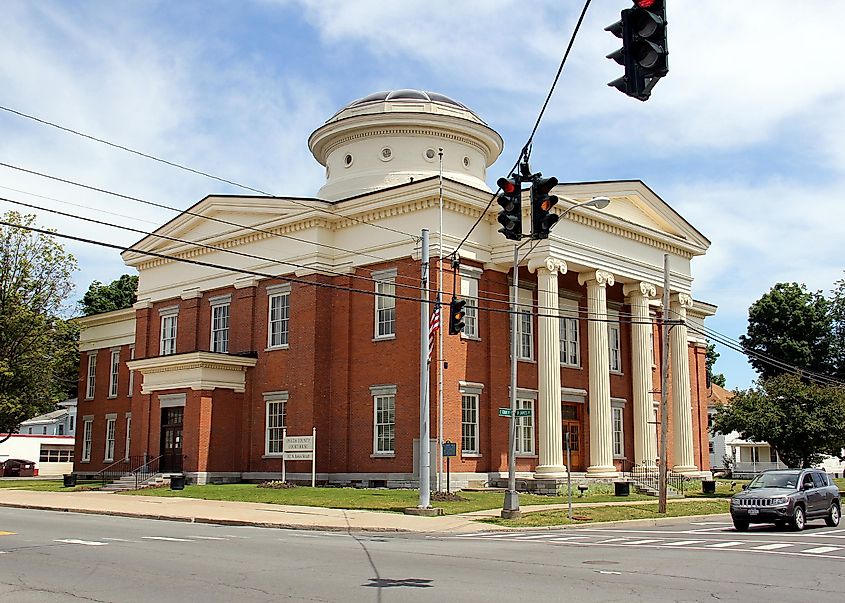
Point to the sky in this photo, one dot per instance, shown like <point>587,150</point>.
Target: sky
<point>743,137</point>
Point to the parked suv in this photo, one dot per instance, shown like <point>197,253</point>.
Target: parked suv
<point>787,496</point>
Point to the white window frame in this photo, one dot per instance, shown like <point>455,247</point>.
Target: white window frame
<point>617,422</point>
<point>87,433</point>
<point>278,326</point>
<point>111,424</point>
<point>169,330</point>
<point>614,342</point>
<point>91,378</point>
<point>525,325</point>
<point>114,372</point>
<point>128,434</point>
<point>570,335</point>
<point>384,305</point>
<point>275,421</point>
<point>221,306</point>
<point>470,404</point>
<point>384,420</point>
<point>469,292</point>
<point>525,428</point>
<point>131,372</point>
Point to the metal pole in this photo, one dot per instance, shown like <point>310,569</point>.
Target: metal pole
<point>440,338</point>
<point>425,443</point>
<point>664,390</point>
<point>510,509</point>
<point>568,476</point>
<point>448,474</point>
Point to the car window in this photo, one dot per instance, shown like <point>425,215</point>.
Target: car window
<point>774,480</point>
<point>808,481</point>
<point>819,480</point>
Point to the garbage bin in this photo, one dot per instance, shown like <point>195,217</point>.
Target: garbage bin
<point>70,480</point>
<point>708,486</point>
<point>177,482</point>
<point>622,488</point>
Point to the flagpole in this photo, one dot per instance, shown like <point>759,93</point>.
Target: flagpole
<point>440,338</point>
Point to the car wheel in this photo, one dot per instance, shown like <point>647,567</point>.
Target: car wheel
<point>741,526</point>
<point>798,519</point>
<point>832,519</point>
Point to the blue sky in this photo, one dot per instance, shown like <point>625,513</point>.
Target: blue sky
<point>744,137</point>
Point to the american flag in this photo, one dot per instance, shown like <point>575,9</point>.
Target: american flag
<point>433,325</point>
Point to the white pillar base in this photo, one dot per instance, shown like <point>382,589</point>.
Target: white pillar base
<point>599,471</point>
<point>550,472</point>
<point>685,469</point>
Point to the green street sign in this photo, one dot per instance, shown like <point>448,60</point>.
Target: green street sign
<point>523,412</point>
<point>505,412</point>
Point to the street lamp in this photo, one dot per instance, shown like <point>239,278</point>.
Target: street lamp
<point>510,507</point>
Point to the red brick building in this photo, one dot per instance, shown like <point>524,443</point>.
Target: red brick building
<point>258,313</point>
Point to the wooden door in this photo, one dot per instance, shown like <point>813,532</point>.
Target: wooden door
<point>171,439</point>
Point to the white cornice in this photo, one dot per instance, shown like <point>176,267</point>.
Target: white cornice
<point>195,370</point>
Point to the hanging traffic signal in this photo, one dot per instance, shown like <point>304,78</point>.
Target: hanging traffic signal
<point>456,316</point>
<point>511,201</point>
<point>644,52</point>
<point>542,218</point>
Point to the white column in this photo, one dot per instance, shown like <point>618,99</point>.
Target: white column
<point>550,462</point>
<point>682,402</point>
<point>645,437</point>
<point>601,427</point>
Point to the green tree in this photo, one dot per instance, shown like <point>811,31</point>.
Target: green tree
<point>38,348</point>
<point>793,326</point>
<point>837,317</point>
<point>119,294</point>
<point>710,361</point>
<point>802,421</point>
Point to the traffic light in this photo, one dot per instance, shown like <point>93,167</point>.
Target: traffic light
<point>644,52</point>
<point>542,218</point>
<point>511,201</point>
<point>456,315</point>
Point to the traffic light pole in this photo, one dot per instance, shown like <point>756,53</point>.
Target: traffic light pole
<point>664,392</point>
<point>510,508</point>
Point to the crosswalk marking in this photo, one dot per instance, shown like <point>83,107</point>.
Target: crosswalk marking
<point>538,536</point>
<point>683,542</point>
<point>723,545</point>
<point>167,538</point>
<point>503,535</point>
<point>568,538</point>
<point>772,547</point>
<point>647,541</point>
<point>822,549</point>
<point>85,542</point>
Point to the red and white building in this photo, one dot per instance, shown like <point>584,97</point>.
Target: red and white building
<point>317,322</point>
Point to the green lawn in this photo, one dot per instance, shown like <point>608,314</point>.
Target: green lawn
<point>46,485</point>
<point>393,500</point>
<point>601,514</point>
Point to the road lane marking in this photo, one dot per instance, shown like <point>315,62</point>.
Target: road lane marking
<point>503,535</point>
<point>684,542</point>
<point>85,542</point>
<point>7,533</point>
<point>209,537</point>
<point>538,536</point>
<point>647,541</point>
<point>771,547</point>
<point>166,538</point>
<point>723,545</point>
<point>119,540</point>
<point>822,549</point>
<point>562,538</point>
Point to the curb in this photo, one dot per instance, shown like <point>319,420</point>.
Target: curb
<point>626,522</point>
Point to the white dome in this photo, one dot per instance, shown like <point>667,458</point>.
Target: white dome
<point>393,137</point>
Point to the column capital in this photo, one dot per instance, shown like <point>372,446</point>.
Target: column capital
<point>683,299</point>
<point>644,289</point>
<point>553,265</point>
<point>602,277</point>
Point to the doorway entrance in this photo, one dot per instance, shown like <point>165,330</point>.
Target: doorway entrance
<point>572,430</point>
<point>171,439</point>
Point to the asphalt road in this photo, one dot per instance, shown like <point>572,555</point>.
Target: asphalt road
<point>50,556</point>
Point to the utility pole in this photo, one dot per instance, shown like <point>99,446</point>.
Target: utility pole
<point>664,390</point>
<point>425,429</point>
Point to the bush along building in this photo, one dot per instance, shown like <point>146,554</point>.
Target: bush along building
<point>316,323</point>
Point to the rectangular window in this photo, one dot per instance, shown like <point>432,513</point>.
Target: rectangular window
<point>525,428</point>
<point>128,434</point>
<point>61,429</point>
<point>113,373</point>
<point>385,423</point>
<point>618,435</point>
<point>755,454</point>
<point>56,455</point>
<point>92,373</point>
<point>570,352</point>
<point>87,428</point>
<point>70,423</point>
<point>277,320</point>
<point>168,333</point>
<point>109,456</point>
<point>469,424</point>
<point>385,306</point>
<point>131,373</point>
<point>220,328</point>
<point>614,342</point>
<point>773,455</point>
<point>276,404</point>
<point>469,293</point>
<point>525,325</point>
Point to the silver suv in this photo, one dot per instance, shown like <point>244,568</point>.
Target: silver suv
<point>790,496</point>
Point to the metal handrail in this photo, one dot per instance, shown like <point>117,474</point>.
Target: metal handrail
<point>649,477</point>
<point>144,472</point>
<point>119,468</point>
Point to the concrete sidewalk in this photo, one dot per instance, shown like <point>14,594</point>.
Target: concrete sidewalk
<point>272,516</point>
